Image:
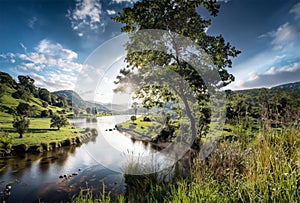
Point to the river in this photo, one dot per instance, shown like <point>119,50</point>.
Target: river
<point>36,177</point>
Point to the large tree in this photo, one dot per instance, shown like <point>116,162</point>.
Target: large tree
<point>28,83</point>
<point>45,95</point>
<point>178,18</point>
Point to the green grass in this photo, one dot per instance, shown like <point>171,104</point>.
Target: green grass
<point>267,170</point>
<point>141,126</point>
<point>39,131</point>
<point>8,103</point>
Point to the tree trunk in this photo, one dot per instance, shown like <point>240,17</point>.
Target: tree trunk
<point>21,135</point>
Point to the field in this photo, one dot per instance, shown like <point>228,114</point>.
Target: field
<point>39,131</point>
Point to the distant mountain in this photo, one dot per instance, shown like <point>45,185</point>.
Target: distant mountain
<point>288,87</point>
<point>73,96</point>
<point>79,102</point>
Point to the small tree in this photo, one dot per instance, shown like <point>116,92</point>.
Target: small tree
<point>88,110</point>
<point>58,121</point>
<point>133,118</point>
<point>94,111</point>
<point>21,124</point>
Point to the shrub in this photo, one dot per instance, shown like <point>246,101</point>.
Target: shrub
<point>147,119</point>
<point>133,118</point>
<point>45,113</point>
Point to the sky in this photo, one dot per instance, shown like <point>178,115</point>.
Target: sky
<point>51,40</point>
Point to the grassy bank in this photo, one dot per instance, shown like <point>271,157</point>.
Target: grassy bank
<point>39,137</point>
<point>39,131</point>
<point>265,170</point>
<point>141,126</point>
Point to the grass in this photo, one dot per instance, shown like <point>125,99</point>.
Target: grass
<point>141,126</point>
<point>266,170</point>
<point>39,131</point>
<point>8,104</point>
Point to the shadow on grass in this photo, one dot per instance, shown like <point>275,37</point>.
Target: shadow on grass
<point>30,130</point>
<point>40,130</point>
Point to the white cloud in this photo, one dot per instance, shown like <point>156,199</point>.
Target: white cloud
<point>271,77</point>
<point>296,11</point>
<point>54,64</point>
<point>111,12</point>
<point>8,57</point>
<point>283,35</point>
<point>87,14</point>
<point>121,1</point>
<point>23,47</point>
<point>54,81</point>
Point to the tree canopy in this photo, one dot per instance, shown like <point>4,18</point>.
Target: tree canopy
<point>58,121</point>
<point>177,80</point>
<point>21,124</point>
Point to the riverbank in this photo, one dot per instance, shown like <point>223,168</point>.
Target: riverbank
<point>39,137</point>
<point>50,145</point>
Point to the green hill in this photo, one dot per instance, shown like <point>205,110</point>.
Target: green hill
<point>41,102</point>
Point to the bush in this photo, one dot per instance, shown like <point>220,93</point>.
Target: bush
<point>147,119</point>
<point>45,104</point>
<point>133,118</point>
<point>45,113</point>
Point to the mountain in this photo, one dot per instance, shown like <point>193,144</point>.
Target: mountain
<point>73,96</point>
<point>79,102</point>
<point>288,87</point>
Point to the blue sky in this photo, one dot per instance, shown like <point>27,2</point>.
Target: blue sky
<point>50,39</point>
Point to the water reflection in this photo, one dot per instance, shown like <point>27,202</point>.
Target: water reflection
<point>36,176</point>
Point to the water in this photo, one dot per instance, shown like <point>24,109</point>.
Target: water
<point>35,177</point>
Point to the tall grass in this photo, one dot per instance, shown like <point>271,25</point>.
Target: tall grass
<point>265,170</point>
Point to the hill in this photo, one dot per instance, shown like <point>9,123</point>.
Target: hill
<point>25,96</point>
<point>288,87</point>
<point>78,102</point>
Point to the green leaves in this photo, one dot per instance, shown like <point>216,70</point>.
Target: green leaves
<point>157,63</point>
<point>21,124</point>
<point>58,121</point>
